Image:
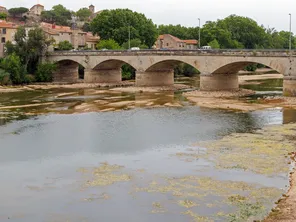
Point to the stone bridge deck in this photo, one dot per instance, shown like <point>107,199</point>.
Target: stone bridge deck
<point>218,68</point>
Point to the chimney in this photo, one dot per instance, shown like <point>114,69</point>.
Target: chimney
<point>53,26</point>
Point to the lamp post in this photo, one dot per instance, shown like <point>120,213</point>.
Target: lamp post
<point>199,33</point>
<point>290,36</point>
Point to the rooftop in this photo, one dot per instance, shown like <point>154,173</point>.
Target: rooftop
<point>4,24</point>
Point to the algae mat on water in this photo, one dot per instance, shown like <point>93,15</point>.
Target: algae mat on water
<point>265,151</point>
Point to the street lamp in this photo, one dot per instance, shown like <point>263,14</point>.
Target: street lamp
<point>199,33</point>
<point>290,37</point>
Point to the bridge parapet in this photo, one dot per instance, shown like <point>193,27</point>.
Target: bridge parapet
<point>222,52</point>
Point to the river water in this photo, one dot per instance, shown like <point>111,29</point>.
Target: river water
<point>66,161</point>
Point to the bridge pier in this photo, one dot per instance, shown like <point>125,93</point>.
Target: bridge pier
<point>218,82</point>
<point>155,78</point>
<point>102,76</point>
<point>67,72</point>
<point>289,86</point>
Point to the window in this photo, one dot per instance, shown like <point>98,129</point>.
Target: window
<point>3,40</point>
<point>4,31</point>
<point>167,44</point>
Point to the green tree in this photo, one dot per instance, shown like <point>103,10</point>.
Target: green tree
<point>83,14</point>
<point>58,14</point>
<point>214,44</point>
<point>65,45</point>
<point>244,30</point>
<point>4,77</point>
<point>134,43</point>
<point>86,27</point>
<point>108,44</point>
<point>3,16</point>
<point>45,71</point>
<point>12,65</point>
<point>17,12</point>
<point>29,48</point>
<point>116,24</point>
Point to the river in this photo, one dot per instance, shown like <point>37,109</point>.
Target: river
<point>66,161</point>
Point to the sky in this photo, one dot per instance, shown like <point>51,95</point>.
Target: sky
<point>270,13</point>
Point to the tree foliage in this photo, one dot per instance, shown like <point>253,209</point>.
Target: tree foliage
<point>115,24</point>
<point>12,65</point>
<point>134,43</point>
<point>45,71</point>
<point>58,14</point>
<point>3,16</point>
<point>17,12</point>
<point>65,45</point>
<point>108,44</point>
<point>29,48</point>
<point>83,14</point>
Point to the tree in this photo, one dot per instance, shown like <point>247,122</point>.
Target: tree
<point>86,27</point>
<point>12,65</point>
<point>214,44</point>
<point>65,45</point>
<point>134,43</point>
<point>3,16</point>
<point>116,24</point>
<point>58,14</point>
<point>17,12</point>
<point>244,30</point>
<point>45,71</point>
<point>83,14</point>
<point>108,44</point>
<point>29,48</point>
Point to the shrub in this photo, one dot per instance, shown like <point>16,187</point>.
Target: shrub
<point>4,77</point>
<point>29,79</point>
<point>12,65</point>
<point>45,72</point>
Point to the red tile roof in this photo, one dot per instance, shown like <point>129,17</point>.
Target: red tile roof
<point>191,41</point>
<point>4,24</point>
<point>91,38</point>
<point>2,7</point>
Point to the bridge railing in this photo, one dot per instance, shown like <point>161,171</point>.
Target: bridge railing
<point>253,52</point>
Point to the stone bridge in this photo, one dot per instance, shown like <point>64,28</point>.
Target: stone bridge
<point>218,68</point>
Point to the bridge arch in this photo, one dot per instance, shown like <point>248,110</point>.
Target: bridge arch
<point>67,71</point>
<point>169,64</point>
<point>235,67</point>
<point>161,72</point>
<point>225,76</point>
<point>107,71</point>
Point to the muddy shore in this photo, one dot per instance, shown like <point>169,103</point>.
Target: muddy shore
<point>285,210</point>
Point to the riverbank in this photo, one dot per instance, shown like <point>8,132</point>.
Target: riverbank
<point>285,210</point>
<point>232,100</point>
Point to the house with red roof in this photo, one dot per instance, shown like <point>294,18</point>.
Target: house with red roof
<point>3,10</point>
<point>167,41</point>
<point>36,9</point>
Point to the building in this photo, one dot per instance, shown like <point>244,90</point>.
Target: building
<point>93,12</point>
<point>77,38</point>
<point>7,32</point>
<point>36,9</point>
<point>168,41</point>
<point>3,10</point>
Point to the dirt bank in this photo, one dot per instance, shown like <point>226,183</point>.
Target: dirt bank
<point>244,78</point>
<point>286,208</point>
<point>231,100</point>
<point>151,88</point>
<point>4,89</point>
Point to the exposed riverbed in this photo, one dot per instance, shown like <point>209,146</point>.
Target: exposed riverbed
<point>92,154</point>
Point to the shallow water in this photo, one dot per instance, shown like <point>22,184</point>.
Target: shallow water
<point>61,162</point>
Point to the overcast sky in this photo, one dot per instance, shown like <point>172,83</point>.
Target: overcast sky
<point>272,13</point>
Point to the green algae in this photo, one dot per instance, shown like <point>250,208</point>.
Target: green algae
<point>266,149</point>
